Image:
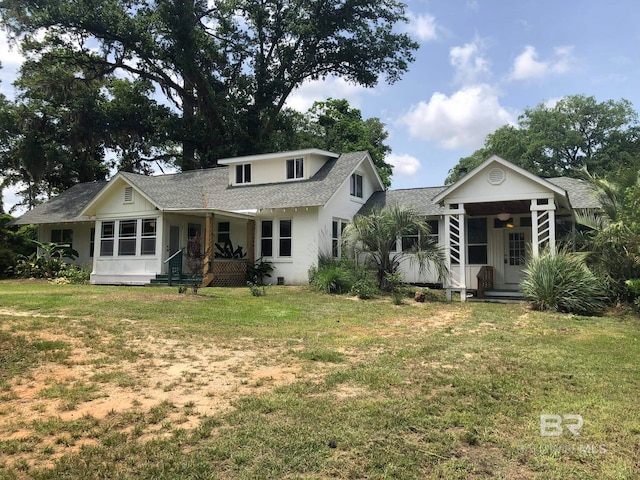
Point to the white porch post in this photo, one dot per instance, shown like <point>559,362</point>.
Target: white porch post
<point>456,250</point>
<point>543,225</point>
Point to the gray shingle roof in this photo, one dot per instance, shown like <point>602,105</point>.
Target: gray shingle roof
<point>580,192</point>
<point>210,188</point>
<point>417,199</point>
<point>64,207</point>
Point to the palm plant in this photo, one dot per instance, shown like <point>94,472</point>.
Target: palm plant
<point>612,240</point>
<point>374,236</point>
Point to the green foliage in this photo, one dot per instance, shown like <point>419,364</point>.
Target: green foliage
<point>364,288</point>
<point>633,286</point>
<point>395,285</point>
<point>46,262</point>
<point>228,70</point>
<point>74,274</point>
<point>335,126</point>
<point>340,276</point>
<point>7,262</point>
<point>227,251</point>
<point>563,139</point>
<point>562,282</point>
<point>374,236</point>
<point>258,271</point>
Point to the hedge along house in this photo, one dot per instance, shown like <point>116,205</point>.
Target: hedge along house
<point>286,208</point>
<point>489,221</point>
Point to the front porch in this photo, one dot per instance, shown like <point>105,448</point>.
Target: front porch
<point>488,244</point>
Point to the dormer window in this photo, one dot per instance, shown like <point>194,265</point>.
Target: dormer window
<point>295,168</point>
<point>356,185</point>
<point>243,173</point>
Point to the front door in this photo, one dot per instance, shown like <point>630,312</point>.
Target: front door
<point>515,243</point>
<point>174,239</point>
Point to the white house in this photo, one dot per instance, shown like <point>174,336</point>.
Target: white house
<point>290,207</point>
<point>286,208</point>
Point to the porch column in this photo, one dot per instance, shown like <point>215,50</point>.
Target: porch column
<point>456,249</point>
<point>209,249</point>
<point>543,225</point>
<point>251,240</point>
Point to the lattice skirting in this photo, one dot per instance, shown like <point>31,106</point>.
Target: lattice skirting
<point>229,274</point>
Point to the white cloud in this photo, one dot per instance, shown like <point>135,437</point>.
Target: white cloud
<point>403,165</point>
<point>11,55</point>
<point>472,4</point>
<point>422,26</point>
<point>319,90</point>
<point>463,119</point>
<point>527,66</point>
<point>470,64</point>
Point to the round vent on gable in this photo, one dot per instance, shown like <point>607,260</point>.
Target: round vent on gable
<point>496,176</point>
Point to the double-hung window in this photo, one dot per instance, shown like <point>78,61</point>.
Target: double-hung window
<point>243,173</point>
<point>266,238</point>
<point>107,238</point>
<point>148,240</point>
<point>127,237</point>
<point>356,185</point>
<point>295,168</point>
<point>278,233</point>
<point>476,241</point>
<point>64,236</point>
<point>285,238</point>
<point>337,227</point>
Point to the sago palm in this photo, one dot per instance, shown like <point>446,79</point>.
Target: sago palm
<point>374,237</point>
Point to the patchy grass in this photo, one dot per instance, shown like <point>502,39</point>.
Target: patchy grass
<point>113,382</point>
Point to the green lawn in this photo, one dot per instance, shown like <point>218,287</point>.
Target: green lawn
<point>131,383</point>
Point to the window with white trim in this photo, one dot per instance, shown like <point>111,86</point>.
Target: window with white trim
<point>284,249</point>
<point>148,239</point>
<point>266,238</point>
<point>295,168</point>
<point>356,185</point>
<point>224,232</point>
<point>107,238</point>
<point>337,228</point>
<point>62,236</point>
<point>243,173</point>
<point>276,234</point>
<point>127,237</point>
<point>476,241</point>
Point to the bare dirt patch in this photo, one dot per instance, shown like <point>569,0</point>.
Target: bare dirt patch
<point>169,384</point>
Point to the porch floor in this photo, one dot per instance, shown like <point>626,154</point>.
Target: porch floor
<point>499,295</point>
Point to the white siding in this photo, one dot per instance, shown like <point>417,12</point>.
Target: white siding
<point>275,170</point>
<point>81,239</point>
<point>304,244</point>
<point>130,269</point>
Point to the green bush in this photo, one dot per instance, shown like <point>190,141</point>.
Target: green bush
<point>74,273</point>
<point>633,286</point>
<point>7,262</point>
<point>341,276</point>
<point>562,282</point>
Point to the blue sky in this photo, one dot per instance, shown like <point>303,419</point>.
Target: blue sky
<point>480,64</point>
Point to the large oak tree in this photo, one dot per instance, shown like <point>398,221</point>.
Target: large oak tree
<point>226,66</point>
<point>562,140</point>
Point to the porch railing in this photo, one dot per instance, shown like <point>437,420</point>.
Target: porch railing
<point>175,266</point>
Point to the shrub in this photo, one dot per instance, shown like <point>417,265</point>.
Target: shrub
<point>341,276</point>
<point>633,286</point>
<point>563,282</point>
<point>395,285</point>
<point>7,262</point>
<point>364,288</point>
<point>74,273</point>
